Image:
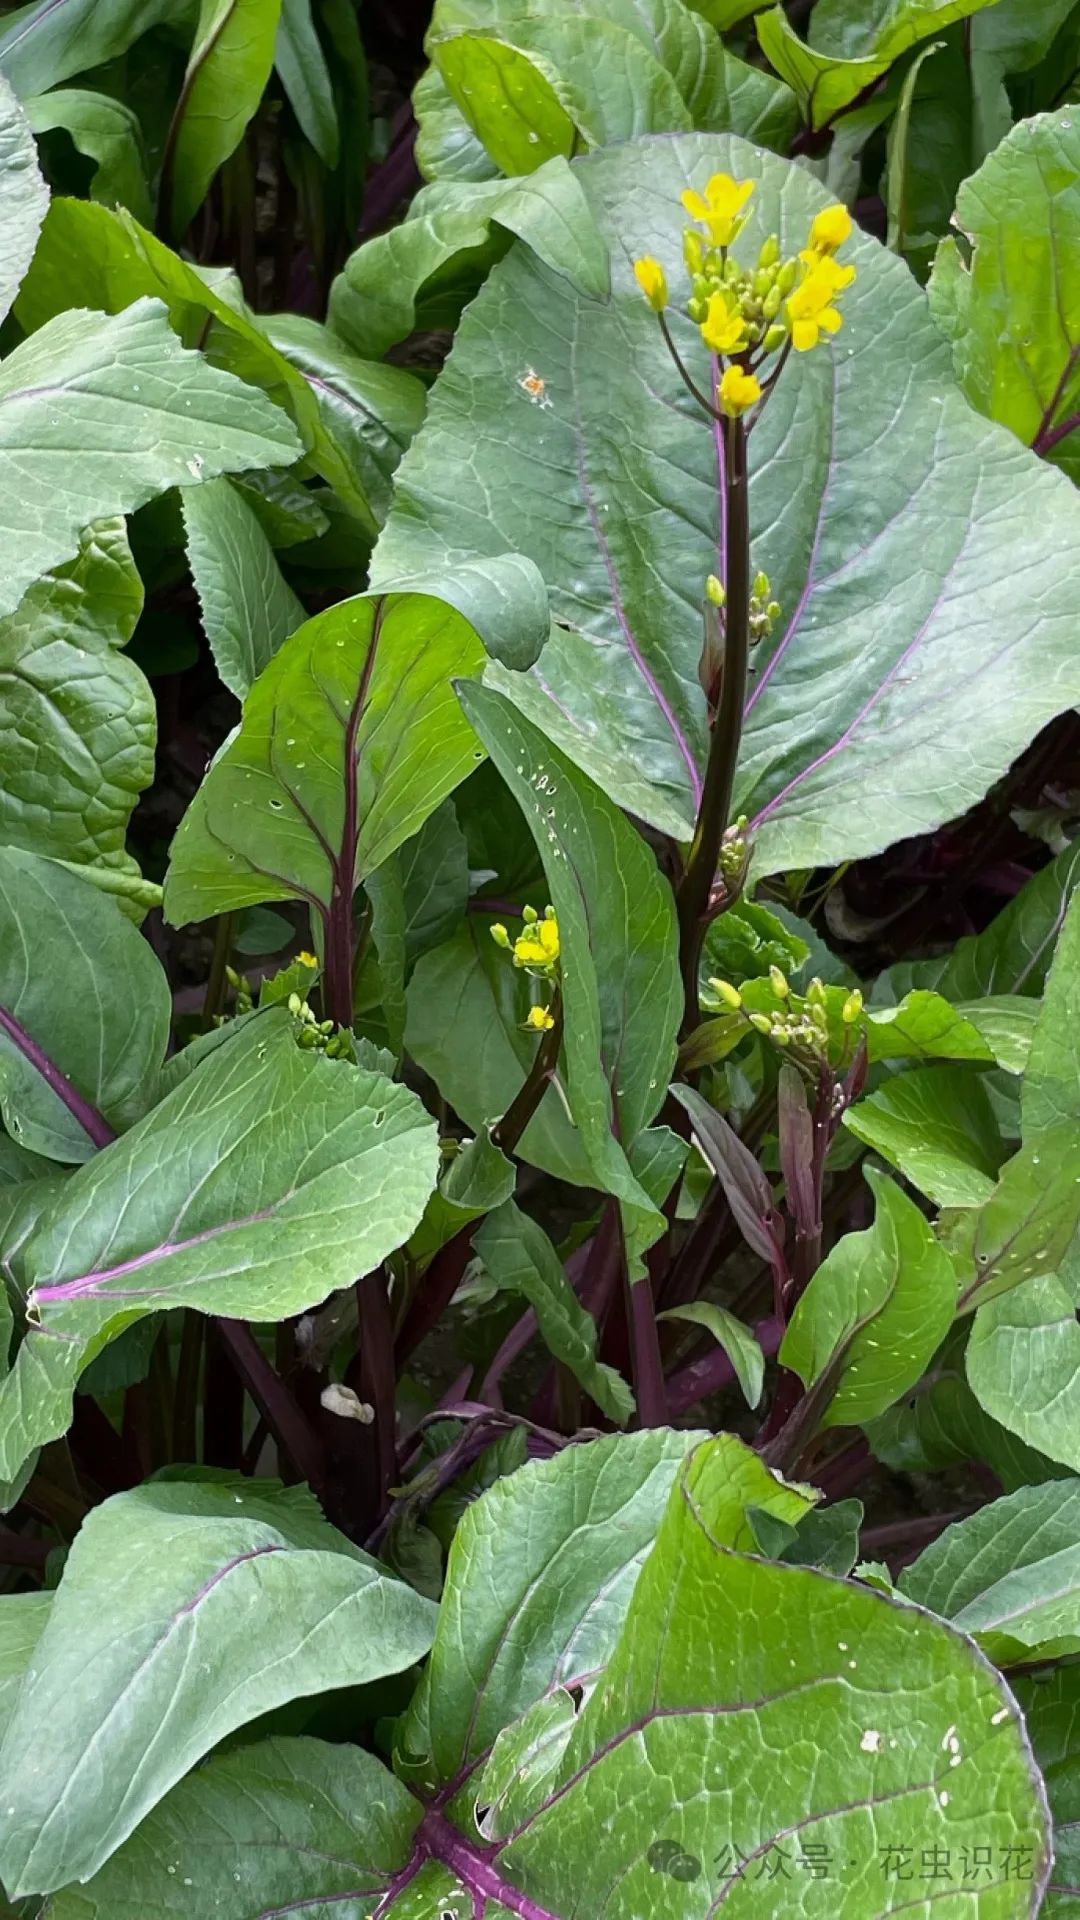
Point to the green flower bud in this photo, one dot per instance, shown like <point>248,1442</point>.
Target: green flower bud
<point>775,338</point>
<point>770,306</point>
<point>714,591</point>
<point>698,311</point>
<point>762,284</point>
<point>787,277</point>
<point>727,993</point>
<point>852,1008</point>
<point>761,1021</point>
<point>770,252</point>
<point>780,983</point>
<point>816,994</point>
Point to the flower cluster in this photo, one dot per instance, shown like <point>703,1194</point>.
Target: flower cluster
<point>797,1023</point>
<point>747,313</point>
<point>536,950</point>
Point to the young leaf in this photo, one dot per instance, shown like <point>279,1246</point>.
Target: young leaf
<point>1025,1227</point>
<point>1023,1364</point>
<point>74,1066</point>
<point>247,607</point>
<point>351,737</point>
<point>82,726</point>
<point>1016,354</point>
<point>875,1311</point>
<point>107,132</point>
<point>621,534</point>
<point>268,1178</point>
<point>392,284</point>
<point>305,76</point>
<point>45,43</point>
<point>283,1824</point>
<point>619,971</point>
<point>737,1341</point>
<point>148,1657</point>
<point>749,1194</point>
<point>520,1258</point>
<point>852,46</point>
<point>936,1126</point>
<point>1051,1094</point>
<point>59,391</point>
<point>24,197</point>
<point>507,97</point>
<point>229,65</point>
<point>1050,1701</point>
<point>1009,1575</point>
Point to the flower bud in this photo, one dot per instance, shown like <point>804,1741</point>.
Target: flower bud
<point>770,252</point>
<point>500,935</point>
<point>698,311</point>
<point>787,276</point>
<point>727,993</point>
<point>852,1007</point>
<point>714,591</point>
<point>761,1021</point>
<point>771,304</point>
<point>652,280</point>
<point>775,338</point>
<point>779,982</point>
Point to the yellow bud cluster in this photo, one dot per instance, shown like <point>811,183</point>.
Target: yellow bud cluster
<point>536,950</point>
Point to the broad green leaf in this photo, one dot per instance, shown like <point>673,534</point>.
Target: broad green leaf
<point>435,882</point>
<point>1051,1094</point>
<point>229,65</point>
<point>22,1622</point>
<point>619,968</point>
<point>80,723</point>
<point>875,1311</point>
<point>822,83</point>
<point>891,586</point>
<point>826,1537</point>
<point>108,133</point>
<point>475,1180</point>
<point>247,607</point>
<point>59,394</point>
<point>102,258</point>
<point>1025,1227</point>
<point>1016,349</point>
<point>98,1039</point>
<point>148,1657</point>
<point>47,43</point>
<point>508,99</point>
<point>268,1178</point>
<point>18,1164</point>
<point>884,29</point>
<point>731,1723</point>
<point>358,701</point>
<point>1009,1575</point>
<point>466,1008</point>
<point>936,1126</point>
<point>402,279</point>
<point>24,197</point>
<point>1007,1023</point>
<point>1013,954</point>
<point>924,1026</point>
<point>736,1340</point>
<point>524,1610</point>
<point>1023,1365</point>
<point>520,1259</point>
<point>371,411</point>
<point>942,1425</point>
<point>1051,1701</point>
<point>305,76</point>
<point>283,1825</point>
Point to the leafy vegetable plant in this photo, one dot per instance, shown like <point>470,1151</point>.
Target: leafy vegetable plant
<point>539,959</point>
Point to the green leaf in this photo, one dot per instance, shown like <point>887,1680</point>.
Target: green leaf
<point>24,197</point>
<point>45,44</point>
<point>149,1648</point>
<point>619,967</point>
<point>230,63</point>
<point>924,1027</point>
<point>1012,955</point>
<point>1016,352</point>
<point>736,1340</point>
<point>104,1034</point>
<point>435,882</point>
<point>743,943</point>
<point>282,1824</point>
<point>370,411</point>
<point>942,1425</point>
<point>890,586</point>
<point>1051,1094</point>
<point>305,76</point>
<point>884,29</point>
<point>107,132</point>
<point>520,1258</point>
<point>730,1719</point>
<point>59,391</point>
<point>473,1182</point>
<point>247,607</point>
<point>826,1537</point>
<point>81,725</point>
<point>1009,1575</point>
<point>357,701</point>
<point>523,1611</point>
<point>1050,1701</point>
<point>1025,1227</point>
<point>1023,1364</point>
<point>22,1622</point>
<point>507,99</point>
<point>394,283</point>
<point>268,1178</point>
<point>875,1311</point>
<point>103,258</point>
<point>935,1126</point>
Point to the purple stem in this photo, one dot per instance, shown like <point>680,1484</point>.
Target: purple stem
<point>437,1839</point>
<point>1050,436</point>
<point>93,1123</point>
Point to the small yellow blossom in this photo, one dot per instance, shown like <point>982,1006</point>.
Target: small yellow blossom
<point>723,329</point>
<point>538,946</point>
<point>831,229</point>
<point>652,280</point>
<point>737,392</point>
<point>308,960</point>
<point>810,308</point>
<point>719,207</point>
<point>540,1019</point>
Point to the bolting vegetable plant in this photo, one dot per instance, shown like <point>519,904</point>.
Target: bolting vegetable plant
<point>539,959</point>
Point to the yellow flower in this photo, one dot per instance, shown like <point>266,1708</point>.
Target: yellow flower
<point>723,329</point>
<point>719,207</point>
<point>832,227</point>
<point>538,946</point>
<point>737,391</point>
<point>810,308</point>
<point>540,1019</point>
<point>652,280</point>
<point>308,960</point>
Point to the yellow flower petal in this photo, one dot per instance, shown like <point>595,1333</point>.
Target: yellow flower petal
<point>804,335</point>
<point>541,1019</point>
<point>830,319</point>
<point>832,227</point>
<point>737,392</point>
<point>652,280</point>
